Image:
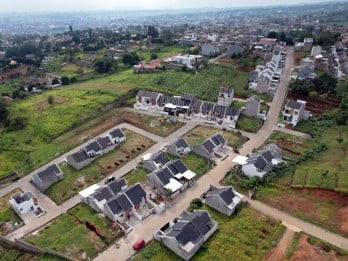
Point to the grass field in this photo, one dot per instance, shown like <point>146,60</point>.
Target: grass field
<point>244,236</point>
<point>162,52</point>
<point>250,124</point>
<point>33,145</point>
<point>200,133</point>
<point>75,180</point>
<point>137,175</point>
<point>69,234</point>
<point>7,214</point>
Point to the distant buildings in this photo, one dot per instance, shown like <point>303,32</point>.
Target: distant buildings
<point>304,46</point>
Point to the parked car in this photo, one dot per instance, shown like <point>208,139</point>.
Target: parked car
<point>109,179</point>
<point>139,244</point>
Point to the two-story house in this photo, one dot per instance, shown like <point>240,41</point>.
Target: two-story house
<point>294,112</point>
<point>179,148</point>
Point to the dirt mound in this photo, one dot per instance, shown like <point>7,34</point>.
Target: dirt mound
<point>306,251</point>
<point>343,216</point>
<point>329,195</point>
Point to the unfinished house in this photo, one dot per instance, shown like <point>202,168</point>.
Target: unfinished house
<point>146,100</point>
<point>225,97</point>
<point>186,234</point>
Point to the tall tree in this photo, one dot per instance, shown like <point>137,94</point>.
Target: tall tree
<point>167,36</point>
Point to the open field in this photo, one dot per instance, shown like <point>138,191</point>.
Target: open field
<point>250,124</point>
<point>76,180</point>
<point>324,208</point>
<point>230,240</point>
<point>200,133</point>
<point>292,146</point>
<point>305,247</point>
<point>7,214</point>
<point>80,233</point>
<point>137,175</point>
<point>162,52</point>
<point>33,145</point>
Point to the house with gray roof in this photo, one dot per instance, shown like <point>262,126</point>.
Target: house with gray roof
<point>147,100</point>
<point>236,48</point>
<point>25,203</point>
<point>47,177</point>
<point>225,199</point>
<point>212,148</point>
<point>154,161</point>
<point>186,234</point>
<point>294,112</point>
<point>164,182</point>
<point>179,148</point>
<point>94,149</point>
<point>262,162</point>
<point>210,49</point>
<point>117,136</point>
<point>252,107</point>
<point>79,159</point>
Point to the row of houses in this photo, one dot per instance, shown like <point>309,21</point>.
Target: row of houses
<point>265,79</point>
<point>118,201</point>
<point>96,148</point>
<point>222,112</point>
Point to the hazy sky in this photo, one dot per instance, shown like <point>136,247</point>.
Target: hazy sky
<point>87,5</point>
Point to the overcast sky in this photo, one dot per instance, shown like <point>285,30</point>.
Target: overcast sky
<point>87,5</point>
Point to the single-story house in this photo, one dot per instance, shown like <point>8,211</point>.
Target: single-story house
<point>164,182</point>
<point>155,161</point>
<point>182,173</point>
<point>225,200</point>
<point>212,148</point>
<point>179,148</point>
<point>186,234</point>
<point>79,159</point>
<point>117,136</point>
<point>47,177</point>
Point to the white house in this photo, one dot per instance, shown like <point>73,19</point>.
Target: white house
<point>24,203</point>
<point>294,112</point>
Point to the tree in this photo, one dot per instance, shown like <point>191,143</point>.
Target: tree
<point>325,83</point>
<point>71,31</point>
<point>154,56</point>
<point>130,59</point>
<point>272,34</point>
<point>3,112</point>
<point>167,36</point>
<point>342,114</point>
<point>152,31</point>
<point>55,81</point>
<point>50,99</point>
<point>103,65</point>
<point>65,80</point>
<point>327,38</point>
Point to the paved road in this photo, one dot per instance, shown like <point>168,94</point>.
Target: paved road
<point>293,132</point>
<point>54,211</point>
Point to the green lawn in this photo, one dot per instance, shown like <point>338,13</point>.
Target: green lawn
<point>108,231</point>
<point>75,180</point>
<point>250,124</point>
<point>137,175</point>
<point>244,236</point>
<point>238,104</point>
<point>162,52</point>
<point>197,164</point>
<point>70,237</point>
<point>29,148</point>
<point>200,133</point>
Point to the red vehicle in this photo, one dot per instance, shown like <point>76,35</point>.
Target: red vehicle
<point>139,244</point>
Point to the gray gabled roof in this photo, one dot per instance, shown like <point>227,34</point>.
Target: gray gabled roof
<point>225,193</point>
<point>93,146</point>
<point>208,145</point>
<point>160,158</point>
<point>148,94</point>
<point>294,104</point>
<point>136,194</point>
<point>117,133</point>
<point>116,186</point>
<point>218,139</point>
<point>164,175</point>
<point>114,206</point>
<point>80,156</point>
<point>232,111</point>
<point>184,232</point>
<point>181,143</point>
<point>200,220</point>
<point>49,175</point>
<point>102,193</point>
<point>177,166</point>
<point>124,202</point>
<point>104,142</point>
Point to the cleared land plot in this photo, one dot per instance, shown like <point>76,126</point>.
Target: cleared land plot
<point>250,124</point>
<point>76,180</point>
<point>230,240</point>
<point>8,217</point>
<point>324,208</point>
<point>200,133</point>
<point>292,146</point>
<point>70,234</point>
<point>162,52</point>
<point>305,247</point>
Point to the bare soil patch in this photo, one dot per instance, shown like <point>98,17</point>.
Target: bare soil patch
<point>294,202</point>
<point>306,251</point>
<point>289,145</point>
<point>279,252</point>
<point>343,216</point>
<point>315,105</point>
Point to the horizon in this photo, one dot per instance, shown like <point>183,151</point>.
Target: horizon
<point>65,6</point>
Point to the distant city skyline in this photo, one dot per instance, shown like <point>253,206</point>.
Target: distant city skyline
<point>97,5</point>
